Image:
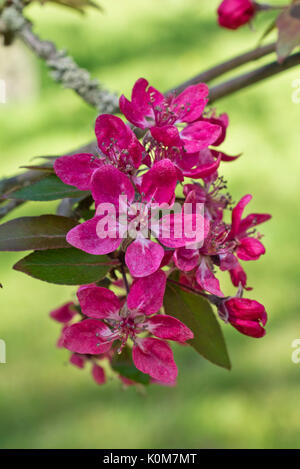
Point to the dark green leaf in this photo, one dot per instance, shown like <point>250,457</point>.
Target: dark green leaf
<point>197,314</point>
<point>38,233</point>
<point>64,266</point>
<point>124,365</point>
<point>49,188</point>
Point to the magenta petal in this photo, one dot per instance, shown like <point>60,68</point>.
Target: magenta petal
<point>143,257</point>
<point>89,336</point>
<point>252,220</point>
<point>118,142</point>
<point>159,182</point>
<point>250,249</point>
<point>249,328</point>
<point>203,171</point>
<point>183,230</point>
<point>224,156</point>
<point>85,237</point>
<point>78,360</point>
<point>77,170</point>
<point>98,374</point>
<point>167,327</point>
<point>206,279</point>
<point>146,294</point>
<point>189,105</point>
<point>98,302</point>
<point>64,313</point>
<point>199,135</point>
<point>139,110</point>
<point>168,135</point>
<point>237,214</point>
<point>108,184</point>
<point>238,275</point>
<point>155,357</point>
<point>186,259</point>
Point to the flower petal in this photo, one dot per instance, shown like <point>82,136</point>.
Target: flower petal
<point>77,170</point>
<point>118,142</point>
<point>146,294</point>
<point>98,302</point>
<point>237,214</point>
<point>89,336</point>
<point>199,135</point>
<point>189,105</point>
<point>167,327</point>
<point>108,184</point>
<point>159,182</point>
<point>155,357</point>
<point>250,249</point>
<point>168,135</point>
<point>64,313</point>
<point>207,280</point>
<point>78,360</point>
<point>98,374</point>
<point>85,237</point>
<point>143,257</point>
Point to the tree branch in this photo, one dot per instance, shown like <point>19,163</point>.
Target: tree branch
<point>243,81</point>
<point>227,66</point>
<point>63,67</point>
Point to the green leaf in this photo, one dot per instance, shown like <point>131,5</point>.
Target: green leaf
<point>288,24</point>
<point>197,314</point>
<point>64,266</point>
<point>38,233</point>
<point>48,188</point>
<point>124,365</point>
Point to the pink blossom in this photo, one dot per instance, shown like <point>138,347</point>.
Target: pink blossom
<point>247,316</point>
<point>109,321</point>
<point>118,146</point>
<point>149,108</point>
<point>235,13</point>
<point>248,248</point>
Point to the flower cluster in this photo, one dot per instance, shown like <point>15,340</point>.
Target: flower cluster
<point>174,164</point>
<point>235,13</point>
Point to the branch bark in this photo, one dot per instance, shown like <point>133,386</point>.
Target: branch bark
<point>229,65</point>
<point>63,68</point>
<point>243,81</point>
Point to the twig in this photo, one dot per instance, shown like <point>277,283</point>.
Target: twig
<point>227,66</point>
<point>243,81</point>
<point>63,67</point>
<point>10,206</point>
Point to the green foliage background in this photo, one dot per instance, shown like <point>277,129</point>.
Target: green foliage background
<point>44,402</point>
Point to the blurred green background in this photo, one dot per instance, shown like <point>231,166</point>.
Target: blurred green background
<point>46,403</point>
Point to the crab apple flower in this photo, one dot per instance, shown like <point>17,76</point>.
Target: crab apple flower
<point>235,13</point>
<point>187,149</point>
<point>143,256</point>
<point>188,260</point>
<point>248,248</point>
<point>150,108</point>
<point>109,321</point>
<point>118,146</point>
<point>248,316</point>
<point>156,189</point>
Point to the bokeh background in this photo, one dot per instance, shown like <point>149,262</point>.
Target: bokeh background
<point>45,402</point>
